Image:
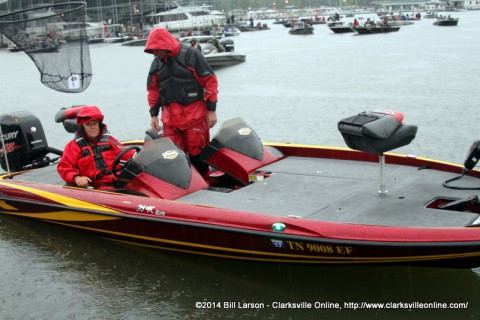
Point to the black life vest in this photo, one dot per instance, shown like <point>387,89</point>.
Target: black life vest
<point>95,151</point>
<point>176,82</point>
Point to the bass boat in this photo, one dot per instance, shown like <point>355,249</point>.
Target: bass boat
<point>373,29</point>
<point>446,21</point>
<point>278,202</point>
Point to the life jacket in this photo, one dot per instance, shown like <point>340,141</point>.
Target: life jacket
<point>176,82</point>
<point>96,158</point>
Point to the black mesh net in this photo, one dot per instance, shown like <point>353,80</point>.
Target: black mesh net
<point>55,38</point>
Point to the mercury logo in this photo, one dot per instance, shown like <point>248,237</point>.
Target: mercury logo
<point>170,154</point>
<point>10,135</point>
<point>244,131</point>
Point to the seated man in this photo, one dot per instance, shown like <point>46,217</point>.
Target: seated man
<point>88,159</point>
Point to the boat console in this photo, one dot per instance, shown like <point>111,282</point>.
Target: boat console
<point>161,169</point>
<point>377,132</point>
<point>237,151</point>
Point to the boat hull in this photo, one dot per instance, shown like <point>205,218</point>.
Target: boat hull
<point>301,31</point>
<point>254,245</point>
<point>216,231</point>
<point>224,59</point>
<point>375,29</point>
<point>446,23</point>
<point>342,29</point>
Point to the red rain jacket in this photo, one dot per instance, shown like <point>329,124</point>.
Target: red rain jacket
<point>161,39</point>
<point>78,159</point>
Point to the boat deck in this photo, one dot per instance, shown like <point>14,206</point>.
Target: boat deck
<point>346,191</point>
<point>336,191</point>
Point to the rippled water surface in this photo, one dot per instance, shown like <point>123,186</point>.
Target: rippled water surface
<point>292,88</point>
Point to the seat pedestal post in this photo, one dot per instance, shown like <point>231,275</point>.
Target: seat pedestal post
<point>383,187</point>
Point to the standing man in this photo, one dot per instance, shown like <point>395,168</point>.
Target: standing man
<point>182,84</point>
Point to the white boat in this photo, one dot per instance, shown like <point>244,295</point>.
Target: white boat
<point>187,17</point>
<point>231,31</point>
<point>77,30</point>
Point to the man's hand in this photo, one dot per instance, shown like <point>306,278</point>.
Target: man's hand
<point>82,181</point>
<point>155,125</point>
<point>211,118</point>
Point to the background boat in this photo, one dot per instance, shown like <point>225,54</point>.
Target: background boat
<point>340,27</point>
<point>373,29</point>
<point>186,17</point>
<point>446,21</point>
<point>301,28</point>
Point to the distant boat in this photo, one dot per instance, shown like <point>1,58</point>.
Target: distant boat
<point>446,21</point>
<point>221,53</point>
<point>94,31</point>
<point>340,27</point>
<point>372,29</point>
<point>231,31</point>
<point>301,28</point>
<point>45,48</point>
<point>187,17</point>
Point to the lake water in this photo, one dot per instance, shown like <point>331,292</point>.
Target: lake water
<point>291,88</point>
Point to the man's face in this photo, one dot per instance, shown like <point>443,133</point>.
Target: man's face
<point>161,53</point>
<point>92,129</point>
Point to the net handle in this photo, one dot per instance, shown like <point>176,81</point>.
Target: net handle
<point>79,3</point>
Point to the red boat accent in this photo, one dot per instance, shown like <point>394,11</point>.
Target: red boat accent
<point>154,187</point>
<point>239,165</point>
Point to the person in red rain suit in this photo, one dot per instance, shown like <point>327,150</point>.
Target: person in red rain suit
<point>182,84</point>
<point>88,159</point>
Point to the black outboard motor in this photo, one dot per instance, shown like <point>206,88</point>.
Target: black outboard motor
<point>228,45</point>
<point>24,142</point>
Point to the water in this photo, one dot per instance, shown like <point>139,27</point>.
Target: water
<point>292,88</point>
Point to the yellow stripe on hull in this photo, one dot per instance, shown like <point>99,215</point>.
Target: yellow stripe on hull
<point>63,216</point>
<point>67,201</point>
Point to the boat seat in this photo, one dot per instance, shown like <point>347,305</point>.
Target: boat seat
<point>376,132</point>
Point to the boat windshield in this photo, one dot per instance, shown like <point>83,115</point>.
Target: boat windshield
<point>162,159</point>
<point>235,134</point>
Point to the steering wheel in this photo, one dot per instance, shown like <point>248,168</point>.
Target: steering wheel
<point>116,162</point>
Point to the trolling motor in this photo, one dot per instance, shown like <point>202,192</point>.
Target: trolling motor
<point>471,160</point>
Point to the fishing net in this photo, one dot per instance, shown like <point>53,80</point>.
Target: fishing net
<point>55,37</point>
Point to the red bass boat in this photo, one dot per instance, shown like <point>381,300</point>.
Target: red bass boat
<point>280,203</point>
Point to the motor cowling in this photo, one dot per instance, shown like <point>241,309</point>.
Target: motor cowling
<point>24,141</point>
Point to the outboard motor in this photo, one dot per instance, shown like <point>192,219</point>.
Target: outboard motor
<point>24,144</point>
<point>237,150</point>
<point>227,44</point>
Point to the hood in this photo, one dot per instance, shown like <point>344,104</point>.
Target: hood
<point>89,113</point>
<point>161,39</point>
